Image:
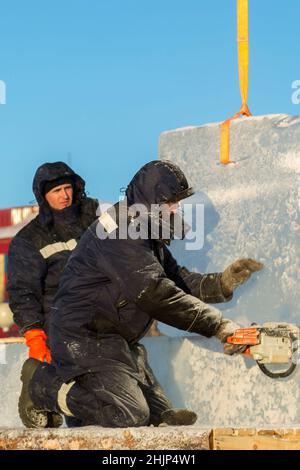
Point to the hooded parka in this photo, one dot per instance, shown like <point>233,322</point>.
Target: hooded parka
<point>39,252</point>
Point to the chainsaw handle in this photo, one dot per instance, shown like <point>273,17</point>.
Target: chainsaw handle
<point>249,336</point>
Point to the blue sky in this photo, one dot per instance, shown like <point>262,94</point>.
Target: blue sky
<point>94,82</point>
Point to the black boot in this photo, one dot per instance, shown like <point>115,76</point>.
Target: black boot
<point>178,417</point>
<point>33,416</point>
<point>55,420</point>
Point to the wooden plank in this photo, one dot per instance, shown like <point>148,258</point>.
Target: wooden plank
<point>255,439</point>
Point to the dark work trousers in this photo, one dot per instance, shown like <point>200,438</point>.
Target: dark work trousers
<point>121,394</point>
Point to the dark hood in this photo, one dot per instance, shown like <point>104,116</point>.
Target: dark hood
<point>49,172</point>
<point>158,182</point>
<point>52,171</point>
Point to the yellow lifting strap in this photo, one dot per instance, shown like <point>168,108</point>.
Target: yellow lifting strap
<point>243,58</point>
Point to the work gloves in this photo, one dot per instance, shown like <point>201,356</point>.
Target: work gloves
<point>36,342</point>
<point>237,273</point>
<point>227,328</point>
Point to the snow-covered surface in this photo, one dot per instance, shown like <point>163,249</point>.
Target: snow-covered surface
<point>296,119</point>
<point>252,209</point>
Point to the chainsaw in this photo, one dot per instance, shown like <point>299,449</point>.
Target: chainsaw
<point>274,346</point>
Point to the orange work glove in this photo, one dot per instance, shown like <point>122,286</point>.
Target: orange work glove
<point>36,341</point>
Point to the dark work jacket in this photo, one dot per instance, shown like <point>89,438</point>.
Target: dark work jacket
<point>114,287</point>
<point>39,252</point>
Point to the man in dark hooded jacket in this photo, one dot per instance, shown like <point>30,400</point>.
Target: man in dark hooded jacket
<point>39,252</point>
<point>114,286</point>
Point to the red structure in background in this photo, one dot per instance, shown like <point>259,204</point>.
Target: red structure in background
<point>11,221</point>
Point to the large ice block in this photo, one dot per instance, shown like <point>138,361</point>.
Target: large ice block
<point>251,209</point>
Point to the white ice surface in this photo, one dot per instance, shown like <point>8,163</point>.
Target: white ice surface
<point>252,209</point>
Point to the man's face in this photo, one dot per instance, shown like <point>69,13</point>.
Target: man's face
<point>60,197</point>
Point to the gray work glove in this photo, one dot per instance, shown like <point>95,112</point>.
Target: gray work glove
<point>227,328</point>
<point>237,273</point>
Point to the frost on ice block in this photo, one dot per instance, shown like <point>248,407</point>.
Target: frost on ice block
<point>251,209</point>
